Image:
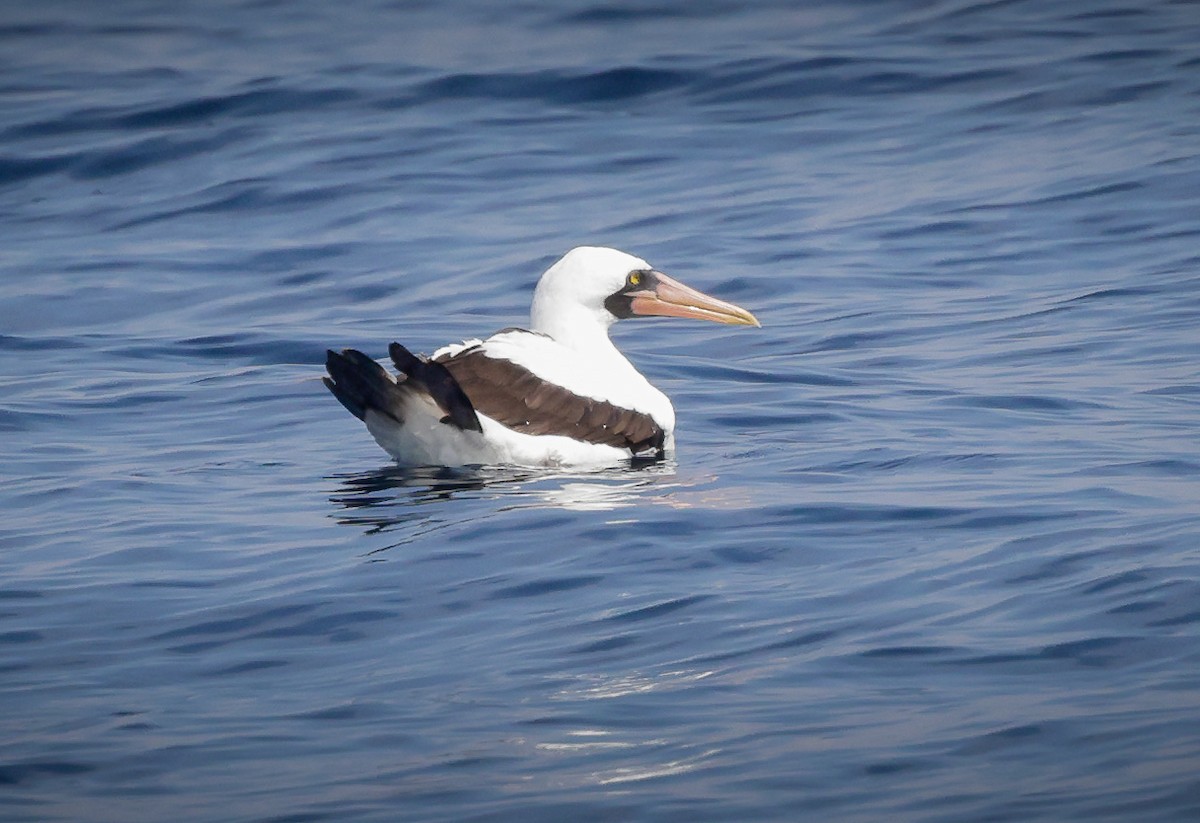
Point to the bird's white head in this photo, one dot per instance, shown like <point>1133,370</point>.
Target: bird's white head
<point>591,287</point>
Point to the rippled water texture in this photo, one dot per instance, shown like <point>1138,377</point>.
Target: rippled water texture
<point>928,550</point>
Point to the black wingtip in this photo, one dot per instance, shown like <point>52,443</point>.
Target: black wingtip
<point>405,360</point>
<point>345,399</point>
<point>360,384</point>
<point>440,384</point>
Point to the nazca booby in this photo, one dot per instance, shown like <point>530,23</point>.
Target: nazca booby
<point>557,394</point>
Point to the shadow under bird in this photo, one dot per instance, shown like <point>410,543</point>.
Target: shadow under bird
<point>556,394</point>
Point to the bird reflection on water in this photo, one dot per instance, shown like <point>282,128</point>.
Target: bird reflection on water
<point>395,497</point>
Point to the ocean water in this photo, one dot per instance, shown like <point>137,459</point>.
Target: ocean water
<point>930,546</point>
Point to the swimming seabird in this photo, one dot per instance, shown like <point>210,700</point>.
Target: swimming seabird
<point>556,394</point>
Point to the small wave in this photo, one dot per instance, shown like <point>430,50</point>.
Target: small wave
<point>150,151</point>
<point>656,610</point>
<point>611,85</point>
<point>552,585</point>
<point>1022,402</point>
<point>836,77</point>
<point>195,112</point>
<point>15,169</point>
<point>616,13</point>
<point>15,774</point>
<point>249,348</point>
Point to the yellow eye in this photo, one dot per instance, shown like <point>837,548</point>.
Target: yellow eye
<point>634,278</point>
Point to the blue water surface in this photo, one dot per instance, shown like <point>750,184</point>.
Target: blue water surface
<point>930,546</point>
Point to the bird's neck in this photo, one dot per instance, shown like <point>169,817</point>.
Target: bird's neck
<point>579,329</point>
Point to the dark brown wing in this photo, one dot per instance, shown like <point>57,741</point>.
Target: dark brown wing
<point>518,398</point>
